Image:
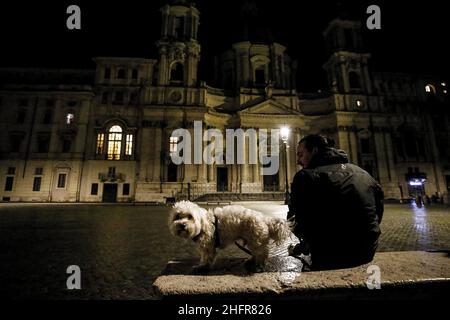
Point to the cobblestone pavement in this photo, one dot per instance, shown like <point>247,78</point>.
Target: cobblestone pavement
<point>121,249</point>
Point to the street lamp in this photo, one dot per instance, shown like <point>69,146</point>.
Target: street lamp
<point>284,136</point>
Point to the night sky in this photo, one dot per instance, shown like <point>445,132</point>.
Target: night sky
<point>34,33</point>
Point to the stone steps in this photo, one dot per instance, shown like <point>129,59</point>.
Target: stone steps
<point>232,196</point>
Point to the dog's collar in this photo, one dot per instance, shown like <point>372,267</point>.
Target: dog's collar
<point>216,234</point>
<point>196,237</point>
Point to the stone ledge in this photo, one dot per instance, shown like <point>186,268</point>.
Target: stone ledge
<point>404,275</point>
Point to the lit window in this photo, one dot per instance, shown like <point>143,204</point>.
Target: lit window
<point>70,117</point>
<point>129,145</point>
<point>173,144</point>
<point>114,143</point>
<point>100,143</point>
<point>427,88</point>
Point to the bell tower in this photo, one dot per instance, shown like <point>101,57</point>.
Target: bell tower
<point>347,66</point>
<point>179,50</point>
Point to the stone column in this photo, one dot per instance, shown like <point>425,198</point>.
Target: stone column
<point>273,65</point>
<point>245,70</point>
<point>203,168</point>
<point>211,173</point>
<point>389,150</point>
<point>344,141</point>
<point>282,72</point>
<point>354,146</point>
<point>195,27</point>
<point>384,174</point>
<point>165,21</point>
<point>157,154</point>
<point>237,82</point>
<point>234,177</point>
<point>146,145</point>
<point>367,81</point>
<point>244,166</point>
<point>291,159</point>
<point>162,69</point>
<point>203,172</point>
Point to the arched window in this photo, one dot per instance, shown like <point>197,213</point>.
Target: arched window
<point>114,142</point>
<point>177,73</point>
<point>260,75</point>
<point>354,80</point>
<point>179,27</point>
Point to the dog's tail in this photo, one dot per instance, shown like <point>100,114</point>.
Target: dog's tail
<point>278,230</point>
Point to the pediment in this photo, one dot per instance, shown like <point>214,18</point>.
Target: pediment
<point>269,107</point>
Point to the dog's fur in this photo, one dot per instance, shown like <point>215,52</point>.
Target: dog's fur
<point>234,222</point>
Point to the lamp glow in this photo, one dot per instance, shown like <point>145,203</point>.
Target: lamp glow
<point>284,133</point>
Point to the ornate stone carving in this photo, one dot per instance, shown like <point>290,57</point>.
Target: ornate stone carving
<point>177,54</point>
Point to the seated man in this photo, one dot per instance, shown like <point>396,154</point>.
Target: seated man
<point>337,207</point>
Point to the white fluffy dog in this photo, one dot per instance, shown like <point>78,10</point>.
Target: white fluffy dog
<point>220,227</point>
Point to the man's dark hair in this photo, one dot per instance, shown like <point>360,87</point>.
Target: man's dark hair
<point>315,141</point>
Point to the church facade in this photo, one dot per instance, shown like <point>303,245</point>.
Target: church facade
<point>105,134</point>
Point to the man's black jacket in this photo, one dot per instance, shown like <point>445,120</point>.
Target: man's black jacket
<point>338,207</point>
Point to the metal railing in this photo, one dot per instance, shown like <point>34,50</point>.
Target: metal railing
<point>193,191</point>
